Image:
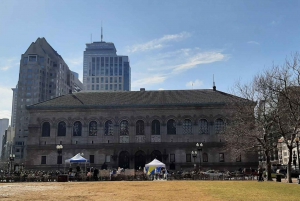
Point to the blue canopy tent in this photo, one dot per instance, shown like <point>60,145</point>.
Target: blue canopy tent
<point>78,158</point>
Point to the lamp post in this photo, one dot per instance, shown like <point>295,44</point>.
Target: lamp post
<point>297,145</point>
<point>194,154</point>
<point>199,147</point>
<point>59,148</point>
<point>11,159</point>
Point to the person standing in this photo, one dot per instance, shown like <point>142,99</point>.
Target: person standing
<point>260,174</point>
<point>95,175</point>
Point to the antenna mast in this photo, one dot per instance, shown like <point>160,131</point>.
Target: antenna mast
<point>101,32</point>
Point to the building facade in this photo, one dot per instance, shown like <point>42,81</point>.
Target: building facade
<point>129,129</point>
<point>104,70</point>
<point>14,107</point>
<point>43,75</point>
<point>3,126</point>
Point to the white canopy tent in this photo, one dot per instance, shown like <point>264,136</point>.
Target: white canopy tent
<point>78,158</point>
<point>153,165</point>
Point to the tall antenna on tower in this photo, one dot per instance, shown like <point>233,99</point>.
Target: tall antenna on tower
<point>101,32</point>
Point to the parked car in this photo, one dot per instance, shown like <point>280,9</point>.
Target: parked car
<point>213,173</point>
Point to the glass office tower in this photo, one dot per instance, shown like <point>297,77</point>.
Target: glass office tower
<point>104,70</point>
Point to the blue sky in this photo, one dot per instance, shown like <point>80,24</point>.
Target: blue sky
<point>171,44</point>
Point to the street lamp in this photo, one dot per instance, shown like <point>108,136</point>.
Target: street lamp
<point>59,148</point>
<point>11,159</point>
<point>297,145</point>
<point>194,154</point>
<point>199,147</point>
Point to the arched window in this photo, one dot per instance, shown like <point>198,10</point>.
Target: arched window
<point>205,157</point>
<point>171,127</point>
<point>203,126</point>
<point>219,126</point>
<point>46,129</point>
<point>124,128</point>
<point>77,127</point>
<point>109,129</point>
<point>93,128</point>
<point>139,127</point>
<point>187,127</point>
<point>155,127</point>
<point>61,129</point>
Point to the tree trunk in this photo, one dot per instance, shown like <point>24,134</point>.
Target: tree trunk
<point>289,167</point>
<point>269,170</point>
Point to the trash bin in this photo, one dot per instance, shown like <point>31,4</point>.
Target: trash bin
<point>278,177</point>
<point>63,178</point>
<point>299,179</point>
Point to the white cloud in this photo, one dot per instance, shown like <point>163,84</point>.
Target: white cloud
<point>5,102</point>
<point>253,42</point>
<point>194,84</point>
<point>158,43</point>
<point>156,68</point>
<point>147,81</point>
<point>199,58</point>
<point>161,89</point>
<point>8,63</point>
<point>76,61</point>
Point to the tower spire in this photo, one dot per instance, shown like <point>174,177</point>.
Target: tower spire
<point>101,32</point>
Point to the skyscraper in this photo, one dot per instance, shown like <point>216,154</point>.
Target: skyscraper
<point>43,75</point>
<point>103,69</point>
<point>3,126</point>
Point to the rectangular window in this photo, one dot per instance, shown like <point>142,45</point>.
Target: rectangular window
<point>172,158</point>
<point>97,87</point>
<point>107,158</point>
<point>221,157</point>
<point>43,160</point>
<point>188,158</point>
<point>97,79</point>
<point>239,158</point>
<point>32,58</point>
<point>59,159</point>
<point>102,79</point>
<point>92,159</point>
<point>25,60</point>
<point>111,80</point>
<point>93,80</point>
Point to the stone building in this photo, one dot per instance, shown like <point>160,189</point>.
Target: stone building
<point>43,75</point>
<point>129,129</point>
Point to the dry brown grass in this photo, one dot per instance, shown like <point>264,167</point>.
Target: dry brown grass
<point>148,190</point>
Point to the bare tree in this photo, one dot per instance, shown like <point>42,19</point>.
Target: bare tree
<point>274,114</point>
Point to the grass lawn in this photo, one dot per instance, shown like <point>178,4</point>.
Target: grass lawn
<point>150,190</point>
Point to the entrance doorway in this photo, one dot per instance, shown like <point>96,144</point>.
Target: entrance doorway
<point>139,160</point>
<point>124,160</point>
